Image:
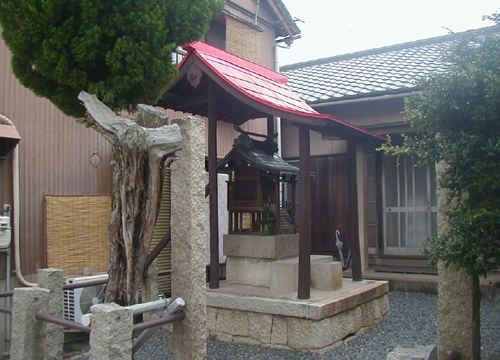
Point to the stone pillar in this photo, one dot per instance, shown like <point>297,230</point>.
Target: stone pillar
<point>52,280</point>
<point>28,333</point>
<point>150,288</point>
<point>458,300</point>
<point>458,314</point>
<point>111,335</point>
<point>188,241</point>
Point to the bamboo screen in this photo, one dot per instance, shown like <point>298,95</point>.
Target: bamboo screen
<point>77,232</point>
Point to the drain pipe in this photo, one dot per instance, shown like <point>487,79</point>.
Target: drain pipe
<point>17,252</point>
<point>16,212</point>
<point>256,20</point>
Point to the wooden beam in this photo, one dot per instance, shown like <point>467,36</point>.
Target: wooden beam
<point>183,102</point>
<point>214,191</point>
<point>352,188</point>
<point>304,285</point>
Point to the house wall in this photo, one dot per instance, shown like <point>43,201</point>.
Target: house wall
<point>55,151</point>
<point>320,145</point>
<point>54,159</point>
<point>264,48</point>
<point>379,116</point>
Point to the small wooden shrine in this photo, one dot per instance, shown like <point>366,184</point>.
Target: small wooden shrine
<point>255,174</point>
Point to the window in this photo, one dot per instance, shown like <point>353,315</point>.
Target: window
<point>410,205</point>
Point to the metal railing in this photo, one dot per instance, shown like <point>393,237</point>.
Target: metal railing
<point>67,323</point>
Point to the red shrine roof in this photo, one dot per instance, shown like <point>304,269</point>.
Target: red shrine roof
<point>260,91</point>
<point>257,82</point>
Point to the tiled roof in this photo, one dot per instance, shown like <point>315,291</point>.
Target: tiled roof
<point>377,72</point>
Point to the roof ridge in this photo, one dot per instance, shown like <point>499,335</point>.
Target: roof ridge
<point>236,60</point>
<point>389,48</point>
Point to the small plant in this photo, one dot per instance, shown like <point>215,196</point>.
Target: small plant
<point>268,220</point>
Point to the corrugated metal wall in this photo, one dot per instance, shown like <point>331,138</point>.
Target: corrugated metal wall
<point>55,153</point>
<point>54,159</point>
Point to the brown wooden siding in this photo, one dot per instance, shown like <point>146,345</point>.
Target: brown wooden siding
<point>330,202</point>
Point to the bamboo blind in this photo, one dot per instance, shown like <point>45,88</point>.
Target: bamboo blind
<point>77,232</point>
<point>77,235</point>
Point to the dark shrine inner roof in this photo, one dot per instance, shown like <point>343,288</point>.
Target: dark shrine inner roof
<point>260,154</point>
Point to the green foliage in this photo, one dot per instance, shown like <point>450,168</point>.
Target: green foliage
<point>457,115</point>
<point>473,242</point>
<point>268,220</point>
<point>119,50</point>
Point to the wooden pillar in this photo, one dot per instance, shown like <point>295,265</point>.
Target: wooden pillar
<point>357,272</point>
<point>214,191</point>
<point>270,125</point>
<point>304,286</point>
<point>379,200</point>
<point>277,215</point>
<point>294,203</point>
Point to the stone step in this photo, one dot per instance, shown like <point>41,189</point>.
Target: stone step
<point>326,274</point>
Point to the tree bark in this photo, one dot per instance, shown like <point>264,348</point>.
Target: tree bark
<point>140,155</point>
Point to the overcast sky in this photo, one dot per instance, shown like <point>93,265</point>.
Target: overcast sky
<point>333,27</point>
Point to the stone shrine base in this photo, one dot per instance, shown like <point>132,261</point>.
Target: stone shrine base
<point>255,315</point>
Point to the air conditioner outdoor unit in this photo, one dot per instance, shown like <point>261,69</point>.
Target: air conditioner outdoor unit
<point>77,302</point>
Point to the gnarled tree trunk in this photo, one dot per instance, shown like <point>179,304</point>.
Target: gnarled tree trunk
<point>140,155</point>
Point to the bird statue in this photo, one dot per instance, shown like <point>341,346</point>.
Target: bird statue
<point>339,245</point>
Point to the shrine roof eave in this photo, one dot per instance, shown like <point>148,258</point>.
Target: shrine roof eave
<point>245,91</point>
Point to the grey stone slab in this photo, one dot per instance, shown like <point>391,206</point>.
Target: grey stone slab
<point>326,275</point>
<point>233,322</point>
<point>262,247</point>
<point>247,270</point>
<point>322,304</point>
<point>295,308</point>
<point>414,353</point>
<point>309,334</point>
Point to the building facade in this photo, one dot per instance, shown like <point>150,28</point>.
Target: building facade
<point>397,202</point>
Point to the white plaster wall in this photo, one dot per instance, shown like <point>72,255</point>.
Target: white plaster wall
<point>223,216</point>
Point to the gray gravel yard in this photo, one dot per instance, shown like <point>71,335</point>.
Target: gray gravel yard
<point>412,321</point>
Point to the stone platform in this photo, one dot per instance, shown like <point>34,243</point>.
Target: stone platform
<point>256,315</point>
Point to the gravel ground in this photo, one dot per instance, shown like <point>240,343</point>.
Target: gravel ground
<point>412,321</point>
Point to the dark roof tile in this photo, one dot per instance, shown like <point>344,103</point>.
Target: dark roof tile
<point>388,70</point>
